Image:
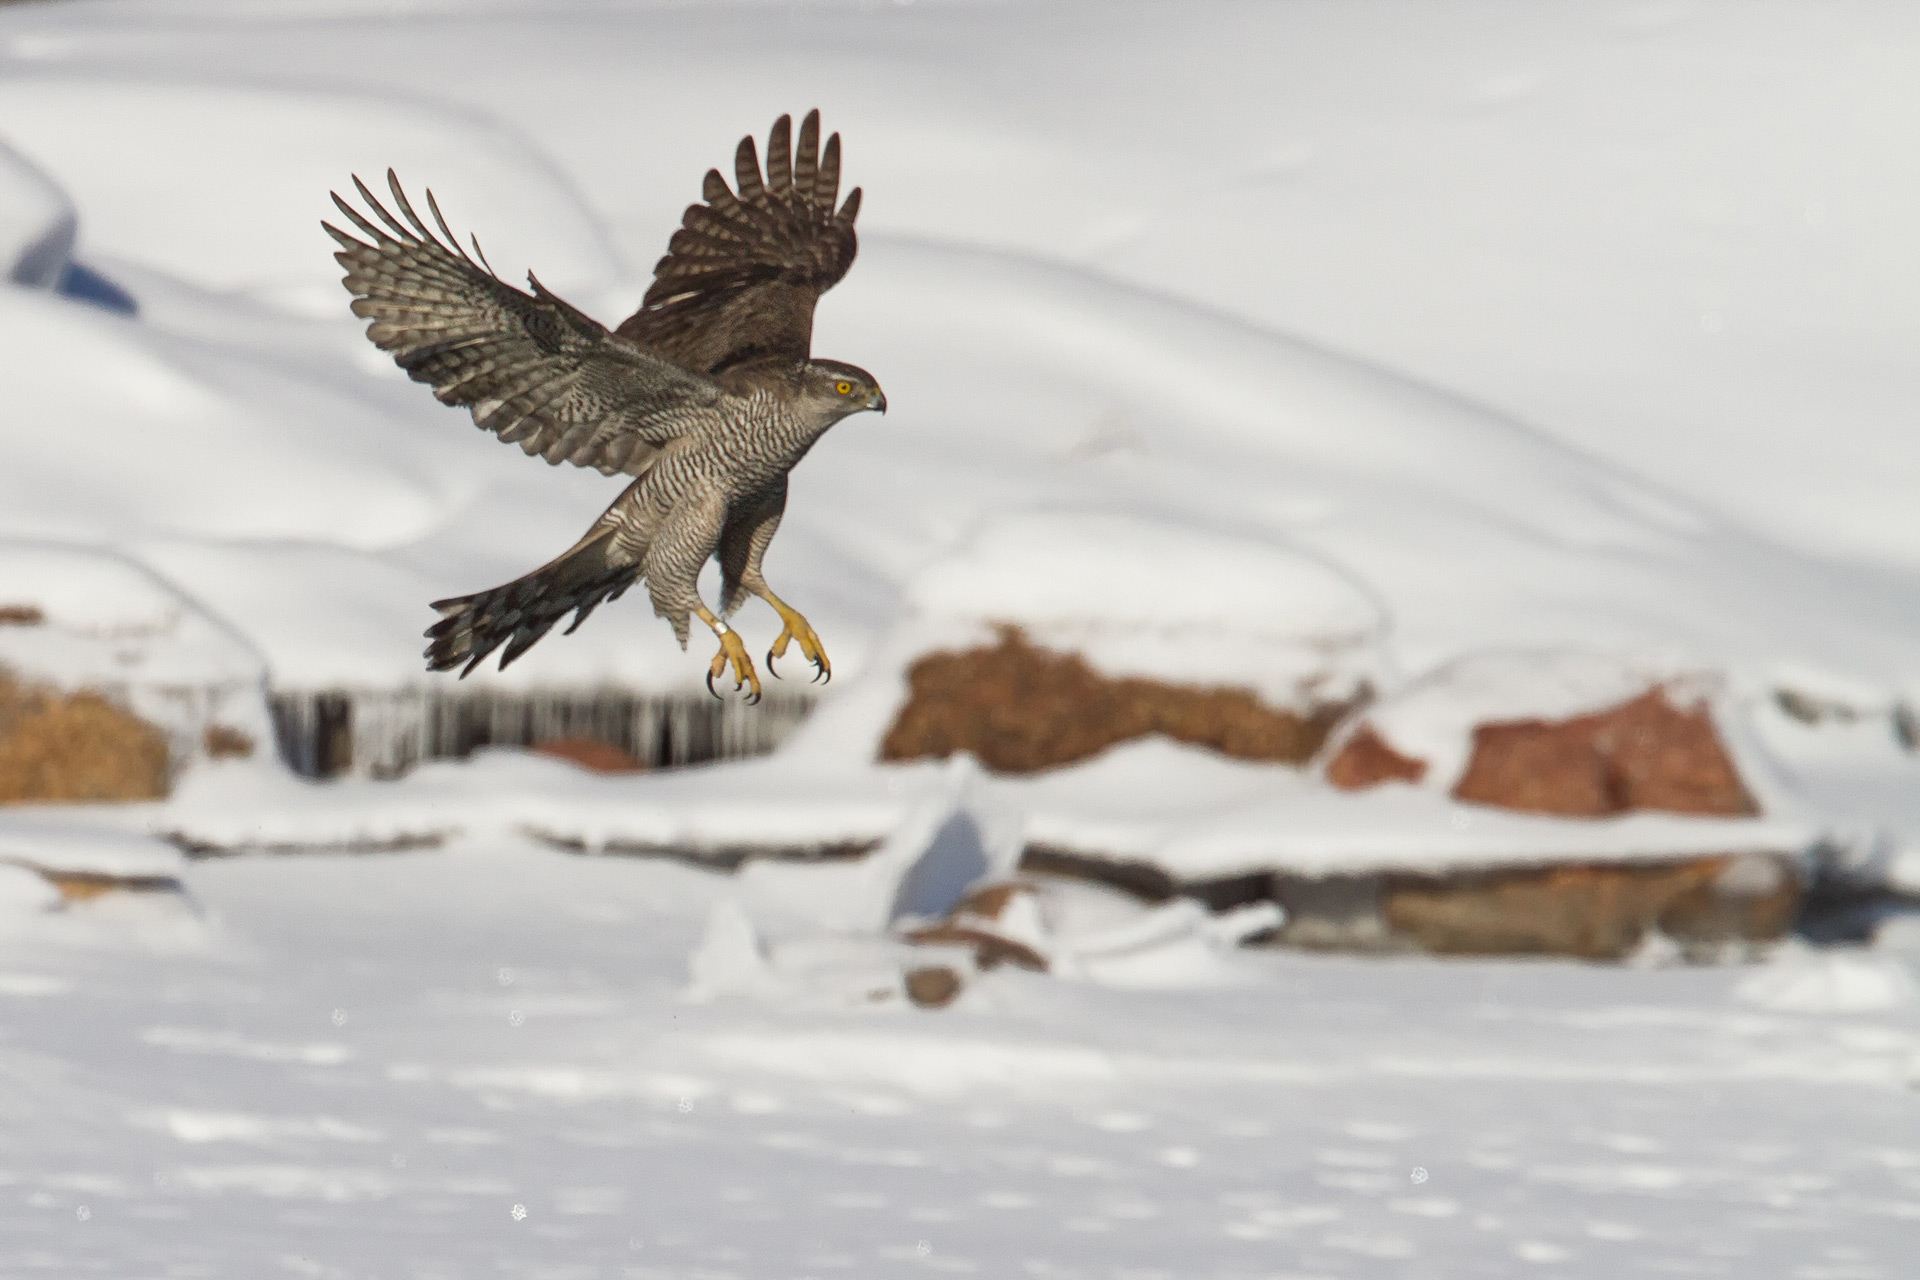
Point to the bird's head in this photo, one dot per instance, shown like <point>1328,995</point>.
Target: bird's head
<point>840,388</point>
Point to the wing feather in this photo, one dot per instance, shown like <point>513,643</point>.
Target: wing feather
<point>746,170</point>
<point>532,368</point>
<point>780,155</point>
<point>745,269</point>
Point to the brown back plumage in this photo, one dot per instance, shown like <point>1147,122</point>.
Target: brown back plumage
<point>742,275</point>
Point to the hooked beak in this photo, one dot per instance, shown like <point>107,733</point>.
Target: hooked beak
<point>878,400</point>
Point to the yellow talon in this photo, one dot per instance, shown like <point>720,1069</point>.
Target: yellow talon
<point>734,652</point>
<point>799,631</point>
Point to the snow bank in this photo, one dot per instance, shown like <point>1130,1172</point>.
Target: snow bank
<point>180,440</point>
<point>37,223</point>
<point>224,185</point>
<point>1803,983</point>
<point>1320,831</point>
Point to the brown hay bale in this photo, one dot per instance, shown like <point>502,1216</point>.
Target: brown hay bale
<point>1539,767</point>
<point>1666,758</point>
<point>1755,896</point>
<point>1599,911</point>
<point>1366,759</point>
<point>75,747</point>
<point>1020,708</point>
<point>1643,754</point>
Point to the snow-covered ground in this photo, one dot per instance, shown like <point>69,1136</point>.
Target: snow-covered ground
<point>1503,357</point>
<point>483,1061</point>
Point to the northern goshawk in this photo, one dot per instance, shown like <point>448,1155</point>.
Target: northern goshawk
<point>708,395</point>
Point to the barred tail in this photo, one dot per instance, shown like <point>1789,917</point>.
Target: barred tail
<point>519,613</point>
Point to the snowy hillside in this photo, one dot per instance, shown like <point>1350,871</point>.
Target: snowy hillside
<point>1474,365</point>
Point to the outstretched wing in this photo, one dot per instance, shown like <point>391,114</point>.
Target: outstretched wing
<point>744,271</point>
<point>531,369</point>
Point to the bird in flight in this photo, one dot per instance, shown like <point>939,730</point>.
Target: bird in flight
<point>708,395</point>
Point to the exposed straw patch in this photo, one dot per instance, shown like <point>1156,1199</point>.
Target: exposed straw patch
<point>75,747</point>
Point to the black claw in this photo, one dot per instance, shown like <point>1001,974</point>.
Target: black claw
<point>710,689</point>
<point>770,669</point>
<point>753,699</point>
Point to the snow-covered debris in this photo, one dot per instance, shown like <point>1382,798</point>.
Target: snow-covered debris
<point>96,619</point>
<point>1432,718</point>
<point>79,848</point>
<point>1567,733</point>
<point>102,615</point>
<point>1856,770</point>
<point>1170,945</point>
<point>1315,830</point>
<point>812,970</point>
<point>1089,933</point>
<point>1168,600</point>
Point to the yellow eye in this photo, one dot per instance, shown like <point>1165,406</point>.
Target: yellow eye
<point>843,387</point>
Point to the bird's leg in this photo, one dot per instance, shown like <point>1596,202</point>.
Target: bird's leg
<point>798,630</point>
<point>732,650</point>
